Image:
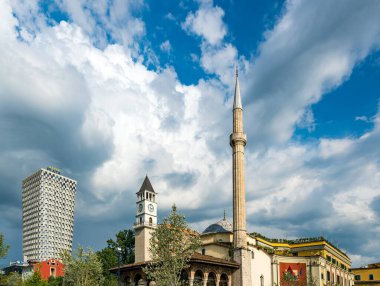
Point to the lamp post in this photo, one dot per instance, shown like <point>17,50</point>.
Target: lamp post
<point>118,268</point>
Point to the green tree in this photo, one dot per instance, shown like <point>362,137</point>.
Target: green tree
<point>35,280</point>
<point>55,281</point>
<point>172,244</point>
<point>3,247</point>
<point>125,239</point>
<point>14,279</point>
<point>83,269</point>
<point>108,259</point>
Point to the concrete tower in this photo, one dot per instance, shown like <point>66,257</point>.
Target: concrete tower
<point>146,220</point>
<point>48,200</point>
<point>238,140</point>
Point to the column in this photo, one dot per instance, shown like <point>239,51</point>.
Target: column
<point>205,279</point>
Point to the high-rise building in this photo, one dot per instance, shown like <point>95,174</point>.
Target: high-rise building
<point>48,200</point>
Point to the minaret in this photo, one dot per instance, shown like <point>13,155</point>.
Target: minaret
<point>238,141</point>
<point>146,220</point>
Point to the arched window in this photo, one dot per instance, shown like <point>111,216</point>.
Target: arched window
<point>203,251</point>
<point>198,277</point>
<point>223,280</point>
<point>150,221</point>
<point>140,219</point>
<point>137,279</point>
<point>262,280</point>
<point>211,280</point>
<point>184,278</point>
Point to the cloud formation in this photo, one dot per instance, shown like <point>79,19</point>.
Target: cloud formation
<point>304,57</point>
<point>207,22</point>
<point>71,98</point>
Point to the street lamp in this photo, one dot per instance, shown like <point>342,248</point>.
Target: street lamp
<point>118,268</point>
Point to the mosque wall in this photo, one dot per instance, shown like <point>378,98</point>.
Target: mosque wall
<point>261,268</point>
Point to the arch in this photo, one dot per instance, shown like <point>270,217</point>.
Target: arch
<point>211,279</point>
<point>137,278</point>
<point>198,276</point>
<point>262,280</point>
<point>223,280</point>
<point>184,278</point>
<point>150,221</point>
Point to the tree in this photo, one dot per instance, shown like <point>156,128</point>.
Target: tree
<point>125,240</point>
<point>14,279</point>
<point>3,247</point>
<point>172,244</point>
<point>108,259</point>
<point>35,280</point>
<point>55,281</point>
<point>83,269</point>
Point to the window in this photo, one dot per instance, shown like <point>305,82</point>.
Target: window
<point>370,277</point>
<point>203,251</point>
<point>328,258</point>
<point>262,280</point>
<point>357,277</point>
<point>328,275</point>
<point>322,276</point>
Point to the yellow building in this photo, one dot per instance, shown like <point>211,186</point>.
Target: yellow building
<point>312,261</point>
<point>369,275</point>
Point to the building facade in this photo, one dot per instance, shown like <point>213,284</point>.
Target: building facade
<point>50,268</point>
<point>48,200</point>
<point>368,275</point>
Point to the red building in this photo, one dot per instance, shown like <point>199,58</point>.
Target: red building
<point>52,267</point>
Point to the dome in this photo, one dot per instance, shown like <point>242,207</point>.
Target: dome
<point>218,227</point>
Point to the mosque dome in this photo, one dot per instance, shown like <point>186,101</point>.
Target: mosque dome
<point>219,227</point>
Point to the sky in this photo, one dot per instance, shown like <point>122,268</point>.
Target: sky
<point>111,90</point>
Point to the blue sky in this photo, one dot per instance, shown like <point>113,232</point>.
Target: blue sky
<point>110,90</point>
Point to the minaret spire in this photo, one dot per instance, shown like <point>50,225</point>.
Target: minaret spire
<point>238,140</point>
<point>237,98</point>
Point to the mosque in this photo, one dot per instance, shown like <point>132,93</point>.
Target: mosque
<point>231,256</point>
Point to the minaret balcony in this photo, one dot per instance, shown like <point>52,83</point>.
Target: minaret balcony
<point>238,138</point>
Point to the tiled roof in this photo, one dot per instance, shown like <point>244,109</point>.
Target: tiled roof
<point>197,257</point>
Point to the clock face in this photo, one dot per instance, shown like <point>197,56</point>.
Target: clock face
<point>140,207</point>
<point>150,207</point>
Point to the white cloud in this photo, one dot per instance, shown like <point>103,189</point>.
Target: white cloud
<point>362,118</point>
<point>220,61</point>
<point>110,120</point>
<point>302,58</point>
<point>166,47</point>
<point>100,19</point>
<point>207,22</point>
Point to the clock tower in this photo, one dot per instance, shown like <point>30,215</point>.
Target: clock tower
<point>146,220</point>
